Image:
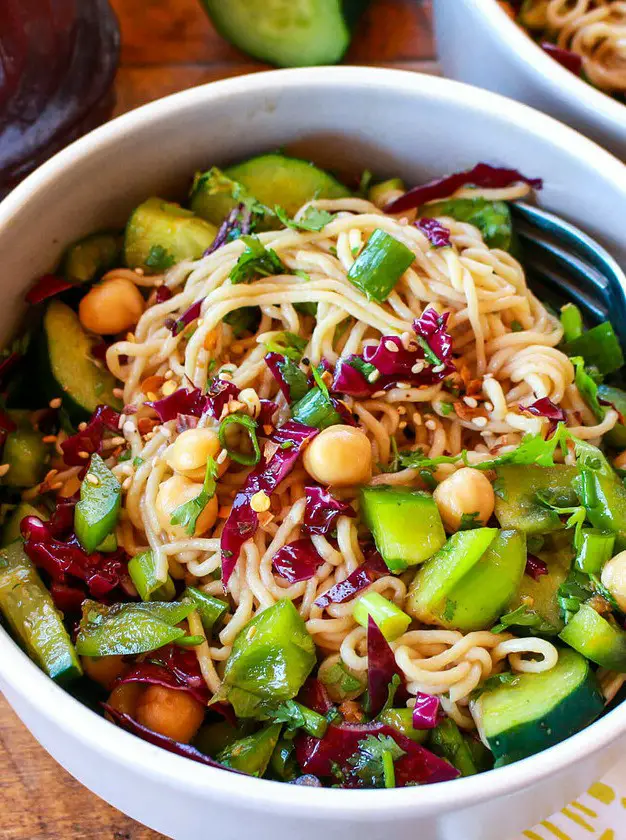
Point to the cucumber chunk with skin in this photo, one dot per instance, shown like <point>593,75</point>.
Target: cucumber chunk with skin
<point>428,599</point>
<point>517,505</point>
<point>272,179</point>
<point>285,32</point>
<point>68,369</point>
<point>593,636</point>
<point>406,524</point>
<point>537,711</point>
<point>91,257</point>
<point>160,234</point>
<point>24,452</point>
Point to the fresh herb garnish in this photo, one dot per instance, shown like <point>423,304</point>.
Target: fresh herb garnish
<point>187,514</point>
<point>159,259</point>
<point>287,344</point>
<point>256,260</point>
<point>249,425</point>
<point>525,617</point>
<point>469,521</point>
<point>313,219</point>
<point>373,761</point>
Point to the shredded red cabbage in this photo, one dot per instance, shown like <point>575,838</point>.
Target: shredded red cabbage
<point>568,59</point>
<point>426,712</point>
<point>172,667</point>
<point>89,440</point>
<point>322,511</point>
<point>274,361</point>
<point>266,476</point>
<point>341,742</point>
<point>436,233</point>
<point>189,315</point>
<point>163,293</point>
<point>192,402</point>
<point>219,394</point>
<point>535,567</point>
<point>68,599</point>
<point>546,408</point>
<point>237,223</point>
<point>266,415</point>
<point>297,560</point>
<point>46,287</point>
<point>482,175</point>
<point>371,569</point>
<point>381,669</point>
<point>128,723</point>
<point>314,695</point>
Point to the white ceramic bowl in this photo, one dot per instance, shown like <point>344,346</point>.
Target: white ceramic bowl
<point>479,43</point>
<point>394,123</point>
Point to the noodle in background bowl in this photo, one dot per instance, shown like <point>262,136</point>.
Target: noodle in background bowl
<point>348,118</point>
<point>478,43</point>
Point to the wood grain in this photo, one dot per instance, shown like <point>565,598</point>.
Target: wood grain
<point>167,46</point>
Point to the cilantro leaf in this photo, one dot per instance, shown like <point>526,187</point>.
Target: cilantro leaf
<point>469,521</point>
<point>159,259</point>
<point>577,513</point>
<point>256,260</point>
<point>494,681</point>
<point>296,716</point>
<point>369,762</point>
<point>577,588</point>
<point>525,617</point>
<point>587,386</point>
<point>215,182</point>
<point>313,219</point>
<point>188,513</point>
<point>287,344</point>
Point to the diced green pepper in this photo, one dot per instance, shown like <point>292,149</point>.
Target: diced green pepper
<point>109,544</point>
<point>252,754</point>
<point>447,741</point>
<point>604,497</point>
<point>402,721</point>
<point>211,610</point>
<point>152,580</point>
<point>270,660</point>
<point>598,640</point>
<point>380,265</point>
<point>96,513</point>
<point>283,764</point>
<point>376,193</point>
<point>389,617</point>
<point>89,258</point>
<point>595,548</point>
<point>316,409</point>
<point>215,737</point>
<point>517,503</point>
<point>37,625</point>
<point>617,436</point>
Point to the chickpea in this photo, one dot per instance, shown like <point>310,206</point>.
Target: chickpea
<point>614,578</point>
<point>339,455</point>
<point>112,307</point>
<point>620,462</point>
<point>190,451</point>
<point>104,669</point>
<point>466,491</point>
<point>172,713</point>
<point>125,697</point>
<point>175,492</point>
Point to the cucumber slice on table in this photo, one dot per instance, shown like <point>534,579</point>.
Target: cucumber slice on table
<point>289,33</point>
<point>272,179</point>
<point>517,505</point>
<point>68,369</point>
<point>406,524</point>
<point>37,625</point>
<point>160,234</point>
<point>537,711</point>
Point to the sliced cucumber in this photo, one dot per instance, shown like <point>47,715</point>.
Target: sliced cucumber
<point>67,367</point>
<point>24,452</point>
<point>539,710</point>
<point>289,33</point>
<point>592,635</point>
<point>439,576</point>
<point>405,524</point>
<point>517,505</point>
<point>12,530</point>
<point>160,234</point>
<point>91,257</point>
<point>272,179</point>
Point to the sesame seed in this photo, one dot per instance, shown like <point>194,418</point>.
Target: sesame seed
<point>82,426</point>
<point>439,368</point>
<point>151,396</point>
<point>392,347</point>
<point>139,271</point>
<point>222,457</point>
<point>489,406</point>
<point>128,428</point>
<point>418,367</point>
<point>168,374</point>
<point>402,424</point>
<point>430,424</point>
<point>377,395</point>
<point>401,409</point>
<point>130,337</point>
<point>49,439</point>
<point>168,388</point>
<point>225,375</point>
<point>127,482</point>
<point>405,338</point>
<point>83,454</point>
<point>260,502</point>
<point>4,468</point>
<point>55,403</point>
<point>200,321</point>
<point>481,422</point>
<point>118,392</point>
<point>417,418</point>
<point>403,386</point>
<point>92,479</point>
<point>470,402</point>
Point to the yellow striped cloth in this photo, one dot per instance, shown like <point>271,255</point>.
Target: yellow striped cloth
<point>599,814</point>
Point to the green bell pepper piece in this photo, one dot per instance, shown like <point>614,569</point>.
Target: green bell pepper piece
<point>149,580</point>
<point>283,764</point>
<point>126,629</point>
<point>29,611</point>
<point>447,741</point>
<point>598,640</point>
<point>252,754</point>
<point>25,452</point>
<point>402,721</point>
<point>96,513</point>
<point>211,610</point>
<point>594,550</point>
<point>604,497</point>
<point>271,658</point>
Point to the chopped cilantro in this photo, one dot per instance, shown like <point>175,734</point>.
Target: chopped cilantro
<point>525,617</point>
<point>369,762</point>
<point>256,260</point>
<point>159,259</point>
<point>312,220</point>
<point>188,513</point>
<point>469,521</point>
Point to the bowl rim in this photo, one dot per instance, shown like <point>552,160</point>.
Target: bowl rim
<point>558,76</point>
<point>52,704</point>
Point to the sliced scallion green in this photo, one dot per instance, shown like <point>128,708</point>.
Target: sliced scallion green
<point>248,459</point>
<point>316,409</point>
<point>571,321</point>
<point>380,265</point>
<point>389,617</point>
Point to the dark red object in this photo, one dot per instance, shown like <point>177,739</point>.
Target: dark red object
<point>314,696</point>
<point>185,750</point>
<point>296,561</point>
<point>427,711</point>
<point>482,175</point>
<point>381,669</point>
<point>438,235</point>
<point>172,667</point>
<point>242,523</point>
<point>89,440</point>
<point>372,569</point>
<point>274,362</point>
<point>546,408</point>
<point>568,59</point>
<point>163,293</point>
<point>57,63</point>
<point>237,223</point>
<point>46,287</point>
<point>322,510</point>
<point>189,315</point>
<point>341,742</point>
<point>535,567</point>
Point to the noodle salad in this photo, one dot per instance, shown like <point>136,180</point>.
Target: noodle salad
<point>309,485</point>
<point>587,37</point>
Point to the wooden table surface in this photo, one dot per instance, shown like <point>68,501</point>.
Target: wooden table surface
<point>167,46</point>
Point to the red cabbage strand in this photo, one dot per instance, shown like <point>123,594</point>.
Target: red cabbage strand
<point>296,561</point>
<point>46,287</point>
<point>188,316</point>
<point>437,234</point>
<point>381,669</point>
<point>427,711</point>
<point>371,569</point>
<point>535,567</point>
<point>566,58</point>
<point>89,440</point>
<point>171,667</point>
<point>322,511</point>
<point>546,408</point>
